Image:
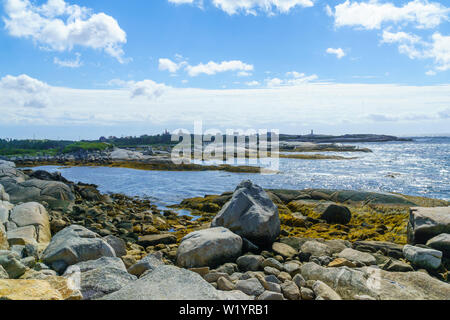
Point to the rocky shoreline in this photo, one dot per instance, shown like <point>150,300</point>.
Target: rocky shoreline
<point>60,240</point>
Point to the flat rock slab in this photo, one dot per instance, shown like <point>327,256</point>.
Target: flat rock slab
<point>154,239</point>
<point>167,283</point>
<point>426,223</point>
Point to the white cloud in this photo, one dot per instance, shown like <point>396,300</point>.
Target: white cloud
<point>169,65</point>
<point>323,106</point>
<point>244,74</point>
<point>252,7</point>
<point>145,88</point>
<point>338,52</point>
<point>25,91</point>
<point>59,26</point>
<point>69,63</point>
<point>252,83</point>
<point>438,48</point>
<point>295,79</point>
<point>212,67</point>
<point>373,14</point>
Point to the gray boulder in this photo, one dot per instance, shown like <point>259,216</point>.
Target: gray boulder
<point>358,256</point>
<point>37,190</point>
<point>167,283</point>
<point>315,248</point>
<point>250,262</point>
<point>119,246</point>
<point>377,283</point>
<point>426,223</point>
<point>335,214</point>
<point>149,262</point>
<point>209,247</point>
<point>33,214</point>
<point>75,244</point>
<point>251,214</point>
<point>99,282</point>
<point>441,243</point>
<point>429,259</point>
<point>322,290</point>
<point>251,287</point>
<point>103,262</point>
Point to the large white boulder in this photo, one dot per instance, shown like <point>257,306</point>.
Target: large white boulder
<point>251,214</point>
<point>209,247</point>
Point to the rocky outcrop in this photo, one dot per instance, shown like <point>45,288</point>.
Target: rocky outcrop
<point>426,223</point>
<point>122,154</point>
<point>37,190</point>
<point>167,283</point>
<point>251,214</point>
<point>209,247</point>
<point>75,244</point>
<point>379,284</point>
<point>148,263</point>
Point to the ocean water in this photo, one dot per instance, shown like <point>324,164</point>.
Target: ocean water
<point>421,168</point>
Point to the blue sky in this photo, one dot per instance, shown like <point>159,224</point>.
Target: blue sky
<point>80,69</point>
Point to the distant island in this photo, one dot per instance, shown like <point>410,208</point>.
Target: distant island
<point>347,138</point>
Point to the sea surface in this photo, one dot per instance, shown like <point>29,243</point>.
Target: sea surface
<point>420,168</point>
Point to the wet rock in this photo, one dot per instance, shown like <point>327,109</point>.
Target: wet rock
<point>168,283</point>
<point>208,247</point>
<point>75,244</point>
<point>429,259</point>
<point>251,214</point>
<point>250,262</point>
<point>426,223</point>
<point>336,214</point>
